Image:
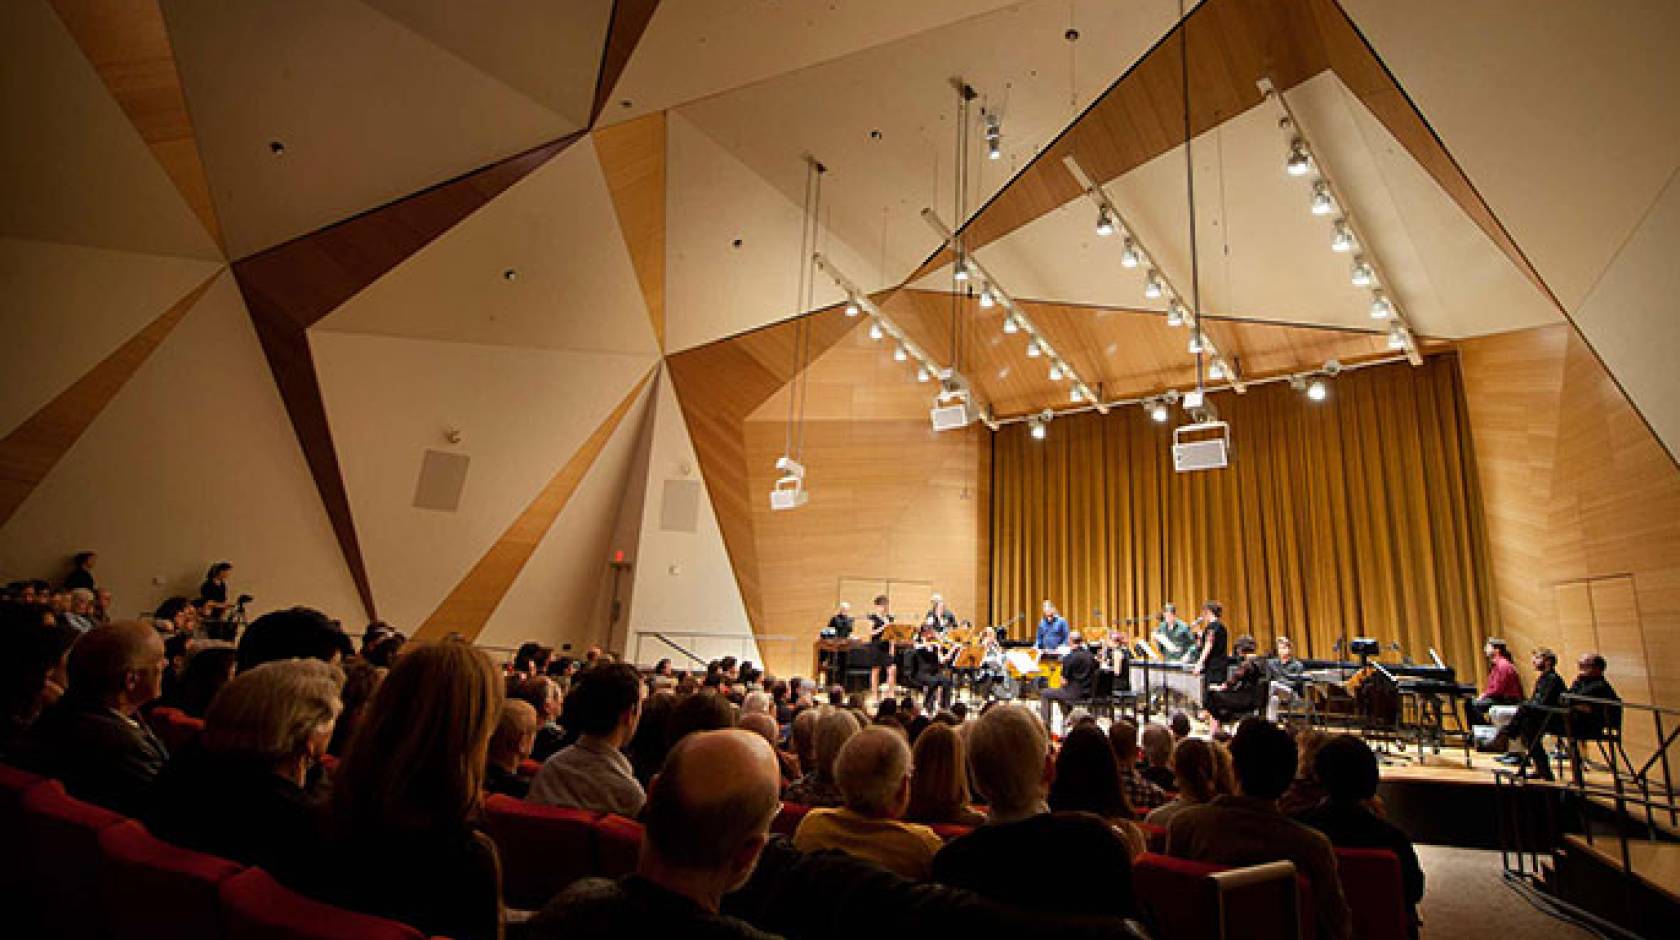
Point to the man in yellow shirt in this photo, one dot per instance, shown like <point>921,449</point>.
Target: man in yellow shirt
<point>873,772</point>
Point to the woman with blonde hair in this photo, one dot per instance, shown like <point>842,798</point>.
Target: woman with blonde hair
<point>818,786</point>
<point>1197,767</point>
<point>939,780</point>
<point>400,841</point>
<point>249,785</point>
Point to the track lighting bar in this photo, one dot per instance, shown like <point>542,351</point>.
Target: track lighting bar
<point>1037,345</point>
<point>1346,235</point>
<point>1156,282</point>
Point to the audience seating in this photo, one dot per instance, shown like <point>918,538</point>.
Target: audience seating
<point>175,728</point>
<point>1155,837</point>
<point>618,841</point>
<point>529,767</point>
<point>543,848</point>
<point>256,907</point>
<point>789,818</point>
<point>1376,892</point>
<point>1184,899</point>
<point>949,831</point>
<point>157,891</point>
<point>61,839</point>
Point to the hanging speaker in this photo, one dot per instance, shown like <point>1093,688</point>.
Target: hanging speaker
<point>442,477</point>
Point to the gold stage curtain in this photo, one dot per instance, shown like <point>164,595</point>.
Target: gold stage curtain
<point>1355,516</point>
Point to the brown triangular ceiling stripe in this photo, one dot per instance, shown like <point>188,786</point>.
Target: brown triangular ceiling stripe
<point>629,20</point>
<point>632,158</point>
<point>1232,43</point>
<point>128,45</point>
<point>291,287</point>
<point>30,452</point>
<point>718,386</point>
<point>468,607</point>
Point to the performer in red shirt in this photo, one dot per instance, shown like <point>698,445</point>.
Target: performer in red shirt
<point>1503,686</point>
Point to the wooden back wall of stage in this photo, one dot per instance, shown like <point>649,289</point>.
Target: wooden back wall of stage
<point>1358,513</point>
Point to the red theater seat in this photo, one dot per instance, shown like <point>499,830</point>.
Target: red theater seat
<point>1376,892</point>
<point>1154,836</point>
<point>618,841</point>
<point>61,842</point>
<point>1189,900</point>
<point>14,860</point>
<point>175,728</point>
<point>949,831</point>
<point>789,818</point>
<point>256,907</point>
<point>157,891</point>
<point>529,767</point>
<point>543,848</point>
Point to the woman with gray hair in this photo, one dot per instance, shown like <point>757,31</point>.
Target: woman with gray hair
<point>246,789</point>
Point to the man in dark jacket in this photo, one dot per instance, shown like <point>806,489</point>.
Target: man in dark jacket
<point>93,739</point>
<point>1539,715</point>
<point>1079,679</point>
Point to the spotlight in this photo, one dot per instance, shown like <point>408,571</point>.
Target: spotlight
<point>1193,399</point>
<point>900,354</point>
<point>1322,204</point>
<point>994,136</point>
<point>1361,274</point>
<point>1152,285</point>
<point>1036,425</point>
<point>1195,344</point>
<point>1010,326</point>
<point>1076,395</point>
<point>1316,390</point>
<point>852,308</point>
<point>1215,371</point>
<point>1032,349</point>
<point>922,374</point>
<point>1381,307</point>
<point>994,150</point>
<point>1105,224</point>
<point>1158,411</point>
<point>1299,161</point>
<point>961,273</point>
<point>1396,337</point>
<point>1055,372</point>
<point>875,330</point>
<point>1176,314</point>
<point>986,301</point>
<point>1129,255</point>
<point>1341,237</point>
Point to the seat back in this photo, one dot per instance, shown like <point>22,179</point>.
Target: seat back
<point>543,848</point>
<point>1180,898</point>
<point>1176,896</point>
<point>256,907</point>
<point>175,728</point>
<point>618,843</point>
<point>1260,902</point>
<point>14,860</point>
<point>788,820</point>
<point>156,891</point>
<point>1376,892</point>
<point>949,831</point>
<point>61,842</point>
<point>1155,837</point>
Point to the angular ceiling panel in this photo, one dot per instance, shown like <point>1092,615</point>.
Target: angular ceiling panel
<point>695,48</point>
<point>572,285</point>
<point>72,167</point>
<point>68,307</point>
<point>366,110</point>
<point>1575,134</point>
<point>521,414</point>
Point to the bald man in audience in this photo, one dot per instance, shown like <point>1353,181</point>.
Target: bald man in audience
<point>93,739</point>
<point>873,771</point>
<point>708,818</point>
<point>1009,858</point>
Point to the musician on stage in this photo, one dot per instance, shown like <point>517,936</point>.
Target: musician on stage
<point>1052,630</point>
<point>1174,638</point>
<point>928,670</point>
<point>1285,674</point>
<point>1503,686</point>
<point>878,620</point>
<point>1079,678</point>
<point>1212,663</point>
<point>841,623</point>
<point>939,616</point>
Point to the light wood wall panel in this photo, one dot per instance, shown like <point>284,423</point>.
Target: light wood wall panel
<point>632,158</point>
<point>1583,509</point>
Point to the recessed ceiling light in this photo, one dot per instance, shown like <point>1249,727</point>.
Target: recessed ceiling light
<point>276,147</point>
<point>624,103</point>
<point>510,274</point>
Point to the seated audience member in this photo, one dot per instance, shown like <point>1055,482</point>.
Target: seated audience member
<point>81,571</point>
<point>92,738</point>
<point>1179,725</point>
<point>1539,716</point>
<point>1305,790</point>
<point>543,695</point>
<point>802,738</point>
<point>1157,756</point>
<point>177,647</point>
<point>1196,777</point>
<point>762,724</point>
<point>1123,737</point>
<point>1588,720</point>
<point>532,659</point>
<point>375,634</point>
<point>593,773</point>
<point>293,633</point>
<point>174,615</point>
<point>708,818</point>
<point>1348,770</point>
<point>817,786</point>
<point>32,671</point>
<point>651,742</point>
<point>758,702</point>
<point>706,710</point>
<point>244,790</point>
<point>361,681</point>
<point>385,651</point>
<point>939,786</point>
<point>1235,697</point>
<point>1283,677</point>
<point>1247,829</point>
<point>1009,752</point>
<point>209,668</point>
<point>1088,781</point>
<point>511,743</point>
<point>80,616</point>
<point>399,841</point>
<point>873,771</point>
